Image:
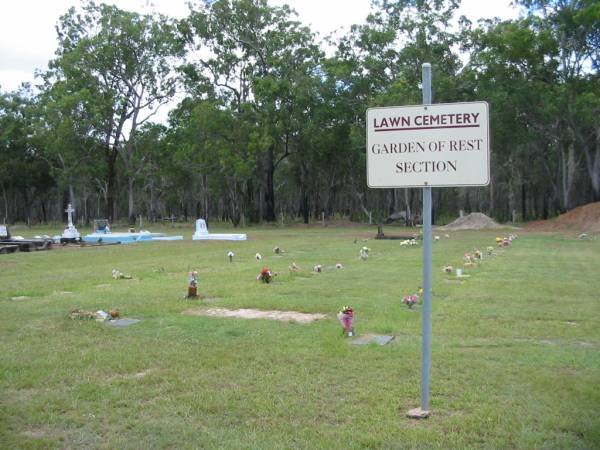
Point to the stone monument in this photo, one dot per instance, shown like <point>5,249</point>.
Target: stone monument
<point>70,234</point>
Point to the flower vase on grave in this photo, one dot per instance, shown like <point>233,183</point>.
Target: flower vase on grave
<point>193,285</point>
<point>346,318</point>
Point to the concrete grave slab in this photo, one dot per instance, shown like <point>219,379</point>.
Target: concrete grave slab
<point>284,316</point>
<point>373,338</point>
<point>122,322</point>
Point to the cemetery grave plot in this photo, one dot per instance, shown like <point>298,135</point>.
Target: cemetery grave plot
<point>284,316</point>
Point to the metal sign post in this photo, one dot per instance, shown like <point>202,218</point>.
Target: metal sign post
<point>426,342</point>
<point>425,146</point>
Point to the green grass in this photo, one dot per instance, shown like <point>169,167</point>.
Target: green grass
<point>515,359</point>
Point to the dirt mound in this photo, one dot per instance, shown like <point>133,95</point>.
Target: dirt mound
<point>473,221</point>
<point>583,218</point>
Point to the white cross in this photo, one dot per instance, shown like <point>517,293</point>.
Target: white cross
<point>69,212</point>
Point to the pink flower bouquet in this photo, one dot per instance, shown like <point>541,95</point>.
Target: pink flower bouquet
<point>410,300</point>
<point>346,318</point>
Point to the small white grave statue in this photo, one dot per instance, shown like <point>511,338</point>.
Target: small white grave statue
<point>230,255</point>
<point>70,233</point>
<point>201,229</point>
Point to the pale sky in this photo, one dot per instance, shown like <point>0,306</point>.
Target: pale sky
<point>28,36</point>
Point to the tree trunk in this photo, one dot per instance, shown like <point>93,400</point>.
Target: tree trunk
<point>130,201</point>
<point>523,202</point>
<point>72,197</point>
<point>269,185</point>
<point>110,187</point>
<point>5,204</point>
<point>407,203</point>
<point>568,168</point>
<point>304,206</point>
<point>44,214</point>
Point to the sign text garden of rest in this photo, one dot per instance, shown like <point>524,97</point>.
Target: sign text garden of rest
<point>444,144</point>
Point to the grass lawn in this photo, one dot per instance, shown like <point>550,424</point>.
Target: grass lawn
<point>515,358</point>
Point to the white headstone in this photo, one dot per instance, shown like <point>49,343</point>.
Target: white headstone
<point>201,229</point>
<point>70,232</point>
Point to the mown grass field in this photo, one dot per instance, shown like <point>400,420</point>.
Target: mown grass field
<point>515,359</point>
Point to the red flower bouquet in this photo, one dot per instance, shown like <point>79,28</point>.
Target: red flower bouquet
<point>265,275</point>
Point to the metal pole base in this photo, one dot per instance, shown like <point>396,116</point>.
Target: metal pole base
<point>417,413</point>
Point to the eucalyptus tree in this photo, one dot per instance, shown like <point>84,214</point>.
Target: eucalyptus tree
<point>574,26</point>
<point>117,66</point>
<point>63,134</point>
<point>258,62</point>
<point>24,175</point>
<point>507,67</point>
<point>379,64</point>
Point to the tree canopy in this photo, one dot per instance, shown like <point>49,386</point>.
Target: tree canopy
<point>269,120</point>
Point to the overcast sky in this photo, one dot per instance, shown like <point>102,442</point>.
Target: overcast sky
<point>28,36</point>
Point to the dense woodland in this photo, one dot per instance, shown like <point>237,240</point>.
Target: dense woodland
<point>268,122</point>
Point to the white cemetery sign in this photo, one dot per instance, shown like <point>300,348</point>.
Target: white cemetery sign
<point>428,145</point>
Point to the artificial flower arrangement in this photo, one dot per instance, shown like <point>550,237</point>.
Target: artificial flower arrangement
<point>192,284</point>
<point>346,318</point>
<point>265,275</point>
<point>277,250</point>
<point>294,267</point>
<point>468,258</point>
<point>447,269</point>
<point>478,255</point>
<point>118,275</point>
<point>502,242</point>
<point>364,253</point>
<point>318,268</point>
<point>258,256</point>
<point>410,300</point>
<point>490,250</point>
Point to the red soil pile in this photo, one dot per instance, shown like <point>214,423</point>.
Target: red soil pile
<point>583,218</point>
